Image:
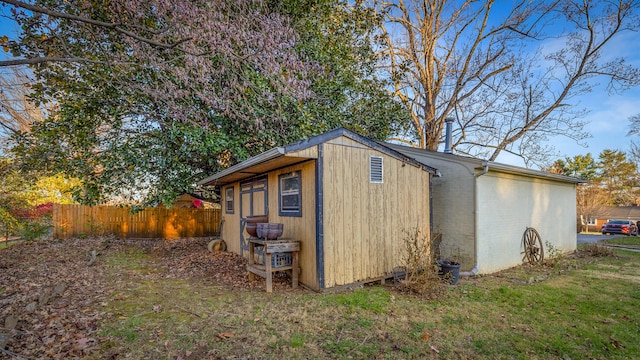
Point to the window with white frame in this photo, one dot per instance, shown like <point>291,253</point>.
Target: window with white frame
<point>290,194</point>
<point>591,221</point>
<point>228,200</point>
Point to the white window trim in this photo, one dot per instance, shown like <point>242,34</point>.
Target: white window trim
<point>282,193</point>
<point>375,161</point>
<point>227,200</point>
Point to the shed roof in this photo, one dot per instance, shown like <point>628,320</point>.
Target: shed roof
<point>294,153</point>
<point>423,155</point>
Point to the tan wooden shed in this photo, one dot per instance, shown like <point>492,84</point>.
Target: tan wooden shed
<point>349,200</point>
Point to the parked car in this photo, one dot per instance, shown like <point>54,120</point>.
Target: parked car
<point>624,227</point>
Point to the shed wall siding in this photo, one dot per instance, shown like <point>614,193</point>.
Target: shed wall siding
<point>300,228</point>
<point>231,227</point>
<point>509,204</point>
<point>365,224</point>
<point>310,153</point>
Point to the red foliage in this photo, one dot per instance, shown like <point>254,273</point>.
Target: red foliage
<point>36,212</point>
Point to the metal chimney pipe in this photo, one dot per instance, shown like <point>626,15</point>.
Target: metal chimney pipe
<point>447,137</point>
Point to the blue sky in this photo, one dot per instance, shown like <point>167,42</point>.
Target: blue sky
<point>607,118</point>
<point>608,114</point>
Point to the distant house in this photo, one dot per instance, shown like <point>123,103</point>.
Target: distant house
<point>187,200</point>
<point>349,200</point>
<point>605,213</point>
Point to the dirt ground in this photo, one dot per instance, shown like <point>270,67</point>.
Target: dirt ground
<point>52,294</point>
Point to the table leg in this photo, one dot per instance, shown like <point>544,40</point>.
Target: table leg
<point>268,271</point>
<point>294,271</point>
<point>252,248</point>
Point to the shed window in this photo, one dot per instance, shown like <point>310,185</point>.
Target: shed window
<point>228,200</point>
<point>290,194</point>
<point>375,169</point>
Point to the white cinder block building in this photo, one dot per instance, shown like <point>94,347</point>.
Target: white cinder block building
<point>483,208</point>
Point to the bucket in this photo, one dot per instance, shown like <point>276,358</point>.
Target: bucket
<point>449,270</point>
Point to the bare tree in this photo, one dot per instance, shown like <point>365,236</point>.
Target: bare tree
<point>17,112</point>
<point>507,83</point>
<point>589,198</point>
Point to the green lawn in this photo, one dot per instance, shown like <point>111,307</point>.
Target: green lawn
<point>582,308</point>
<point>175,300</point>
<point>630,240</point>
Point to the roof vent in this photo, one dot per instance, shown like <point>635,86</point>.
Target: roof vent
<point>375,169</point>
<point>447,137</point>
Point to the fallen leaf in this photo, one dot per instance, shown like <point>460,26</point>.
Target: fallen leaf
<point>615,343</point>
<point>425,336</point>
<point>226,335</point>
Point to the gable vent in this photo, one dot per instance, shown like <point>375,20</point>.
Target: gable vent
<point>375,169</point>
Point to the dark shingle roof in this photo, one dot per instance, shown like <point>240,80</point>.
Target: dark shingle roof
<point>618,212</point>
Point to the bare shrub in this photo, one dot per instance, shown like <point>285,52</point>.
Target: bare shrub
<point>554,255</point>
<point>597,250</point>
<point>419,265</point>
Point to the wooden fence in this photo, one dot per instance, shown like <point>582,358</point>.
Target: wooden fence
<point>79,220</point>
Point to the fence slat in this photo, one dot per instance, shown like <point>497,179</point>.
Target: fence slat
<point>79,220</point>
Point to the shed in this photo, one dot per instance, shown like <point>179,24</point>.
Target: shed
<point>483,208</point>
<point>349,200</point>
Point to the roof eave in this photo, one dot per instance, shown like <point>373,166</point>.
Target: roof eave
<point>265,156</point>
<point>516,170</point>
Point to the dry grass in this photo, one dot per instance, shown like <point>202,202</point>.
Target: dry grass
<point>176,300</point>
<point>597,250</point>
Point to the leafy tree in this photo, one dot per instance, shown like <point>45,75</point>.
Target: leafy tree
<point>490,71</point>
<point>153,95</point>
<point>22,189</point>
<point>347,90</point>
<point>613,180</point>
<point>580,166</point>
<point>618,176</point>
<point>12,197</point>
<point>589,196</point>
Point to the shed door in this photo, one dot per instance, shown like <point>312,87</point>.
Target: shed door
<point>253,201</point>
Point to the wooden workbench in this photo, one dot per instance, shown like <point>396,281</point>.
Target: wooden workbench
<point>271,247</point>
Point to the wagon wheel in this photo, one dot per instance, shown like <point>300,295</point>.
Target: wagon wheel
<point>533,251</point>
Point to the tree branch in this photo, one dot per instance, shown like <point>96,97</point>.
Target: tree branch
<point>115,26</point>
